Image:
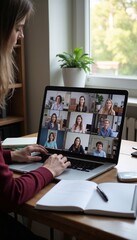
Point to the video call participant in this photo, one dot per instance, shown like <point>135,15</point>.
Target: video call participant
<point>106,131</point>
<point>99,150</point>
<point>52,124</point>
<point>57,105</point>
<point>76,146</point>
<point>81,107</point>
<point>51,143</point>
<point>78,125</point>
<point>108,108</point>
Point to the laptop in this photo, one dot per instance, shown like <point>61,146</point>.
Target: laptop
<point>72,123</point>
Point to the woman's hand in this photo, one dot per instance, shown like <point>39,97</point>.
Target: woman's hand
<point>27,154</point>
<point>56,164</point>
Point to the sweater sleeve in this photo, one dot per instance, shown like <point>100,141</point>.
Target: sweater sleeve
<point>16,191</point>
<point>6,156</point>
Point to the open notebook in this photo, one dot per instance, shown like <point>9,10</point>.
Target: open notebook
<point>78,130</point>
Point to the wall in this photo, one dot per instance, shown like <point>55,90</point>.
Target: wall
<point>49,32</point>
<point>36,62</point>
<point>60,35</point>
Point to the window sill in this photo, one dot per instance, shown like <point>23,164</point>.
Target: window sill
<point>132,102</point>
<point>129,83</point>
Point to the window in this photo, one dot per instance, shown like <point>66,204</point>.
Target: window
<point>113,37</point>
<point>81,28</point>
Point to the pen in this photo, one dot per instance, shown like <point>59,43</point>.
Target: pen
<point>134,148</point>
<point>102,194</point>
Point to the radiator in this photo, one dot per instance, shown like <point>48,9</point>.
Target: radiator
<point>130,129</point>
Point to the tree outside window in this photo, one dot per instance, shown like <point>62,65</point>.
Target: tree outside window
<point>114,37</point>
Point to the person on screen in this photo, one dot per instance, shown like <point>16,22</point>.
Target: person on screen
<point>51,143</point>
<point>57,105</point>
<point>15,191</point>
<point>107,108</point>
<point>106,131</point>
<point>78,126</point>
<point>52,124</point>
<point>76,146</point>
<point>99,150</point>
<point>81,107</point>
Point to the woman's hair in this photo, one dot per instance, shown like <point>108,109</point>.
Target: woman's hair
<point>54,114</point>
<point>11,12</point>
<point>110,111</point>
<point>76,122</point>
<point>74,145</point>
<point>60,98</point>
<point>78,107</point>
<point>80,99</point>
<point>51,133</point>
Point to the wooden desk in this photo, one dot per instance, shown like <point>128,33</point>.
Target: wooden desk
<point>89,226</point>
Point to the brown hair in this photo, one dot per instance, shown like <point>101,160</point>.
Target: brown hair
<point>74,145</point>
<point>76,122</point>
<point>51,133</point>
<point>11,12</point>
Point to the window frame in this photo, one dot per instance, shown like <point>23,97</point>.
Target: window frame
<point>81,14</point>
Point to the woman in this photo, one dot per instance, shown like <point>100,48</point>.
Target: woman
<point>51,143</point>
<point>81,107</point>
<point>52,124</point>
<point>108,108</point>
<point>78,126</point>
<point>76,146</point>
<point>58,105</point>
<point>16,191</point>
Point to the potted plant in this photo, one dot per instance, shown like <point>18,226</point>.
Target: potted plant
<point>99,100</point>
<point>74,66</point>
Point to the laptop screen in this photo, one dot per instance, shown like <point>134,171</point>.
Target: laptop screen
<point>85,123</point>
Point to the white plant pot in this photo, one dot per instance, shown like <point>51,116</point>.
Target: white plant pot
<point>74,77</point>
<point>98,106</point>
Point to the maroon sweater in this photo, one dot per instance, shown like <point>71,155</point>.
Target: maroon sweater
<point>16,191</point>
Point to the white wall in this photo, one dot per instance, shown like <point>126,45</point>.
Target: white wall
<point>49,32</point>
<point>60,35</point>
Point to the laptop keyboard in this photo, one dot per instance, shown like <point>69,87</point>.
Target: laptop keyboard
<point>83,165</point>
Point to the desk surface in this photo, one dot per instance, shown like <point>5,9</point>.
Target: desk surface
<point>89,226</point>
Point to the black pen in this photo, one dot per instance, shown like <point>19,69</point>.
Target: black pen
<point>134,148</point>
<point>102,194</point>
